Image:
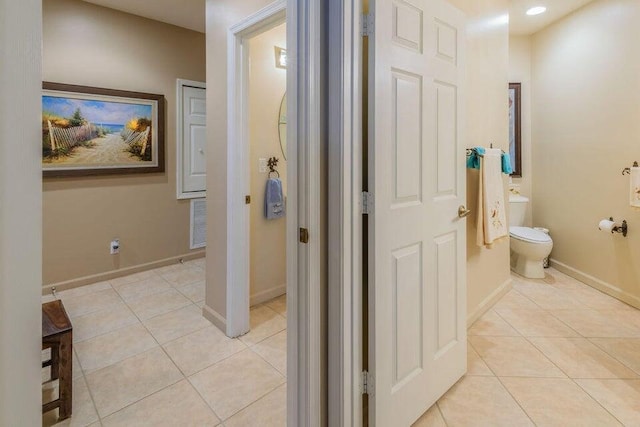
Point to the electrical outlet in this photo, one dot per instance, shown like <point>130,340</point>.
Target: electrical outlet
<point>114,248</point>
<point>262,165</point>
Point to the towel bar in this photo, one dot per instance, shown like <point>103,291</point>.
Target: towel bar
<point>625,171</point>
<point>471,150</point>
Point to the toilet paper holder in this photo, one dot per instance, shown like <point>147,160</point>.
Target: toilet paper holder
<point>622,228</point>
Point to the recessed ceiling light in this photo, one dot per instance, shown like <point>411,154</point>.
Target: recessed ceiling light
<point>536,10</point>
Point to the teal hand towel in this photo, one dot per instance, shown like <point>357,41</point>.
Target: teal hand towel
<point>506,164</point>
<point>473,160</point>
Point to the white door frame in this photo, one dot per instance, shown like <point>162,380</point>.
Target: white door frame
<point>238,146</point>
<point>305,187</point>
<point>306,266</point>
<point>345,215</point>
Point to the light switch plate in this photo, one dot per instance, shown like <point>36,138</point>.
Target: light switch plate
<point>262,165</point>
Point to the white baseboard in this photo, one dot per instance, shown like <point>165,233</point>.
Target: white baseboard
<point>221,323</point>
<point>594,282</point>
<point>109,275</point>
<point>489,302</point>
<point>214,317</point>
<point>266,295</point>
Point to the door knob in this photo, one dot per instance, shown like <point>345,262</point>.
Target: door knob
<point>463,212</point>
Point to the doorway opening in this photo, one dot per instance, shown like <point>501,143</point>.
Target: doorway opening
<point>259,226</point>
<point>257,177</point>
<point>257,85</point>
<point>267,184</point>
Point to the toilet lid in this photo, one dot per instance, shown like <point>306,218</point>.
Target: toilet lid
<point>529,235</point>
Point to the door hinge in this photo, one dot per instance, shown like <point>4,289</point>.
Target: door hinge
<point>366,203</point>
<point>304,235</point>
<point>366,383</point>
<point>366,29</point>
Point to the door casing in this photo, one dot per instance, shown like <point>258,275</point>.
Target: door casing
<point>238,245</point>
<point>345,338</point>
<point>306,275</point>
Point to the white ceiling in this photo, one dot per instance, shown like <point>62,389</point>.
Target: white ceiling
<point>183,13</point>
<point>191,13</point>
<point>521,24</point>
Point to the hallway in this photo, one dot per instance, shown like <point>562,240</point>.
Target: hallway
<point>144,355</point>
<point>550,352</point>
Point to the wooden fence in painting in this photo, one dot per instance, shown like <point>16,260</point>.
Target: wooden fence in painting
<point>132,137</point>
<point>69,137</point>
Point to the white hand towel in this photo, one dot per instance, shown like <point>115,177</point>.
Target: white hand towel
<point>634,199</point>
<point>492,216</point>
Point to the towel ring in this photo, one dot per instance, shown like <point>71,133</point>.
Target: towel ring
<point>272,163</point>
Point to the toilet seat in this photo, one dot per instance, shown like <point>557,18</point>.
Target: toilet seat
<point>529,235</point>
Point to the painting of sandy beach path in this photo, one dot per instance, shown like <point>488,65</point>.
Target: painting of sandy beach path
<point>91,131</point>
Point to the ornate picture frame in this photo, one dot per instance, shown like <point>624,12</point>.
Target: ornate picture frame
<point>95,131</point>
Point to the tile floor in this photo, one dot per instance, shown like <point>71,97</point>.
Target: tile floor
<point>145,356</point>
<point>552,352</point>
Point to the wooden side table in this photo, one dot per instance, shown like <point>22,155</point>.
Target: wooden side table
<point>57,334</point>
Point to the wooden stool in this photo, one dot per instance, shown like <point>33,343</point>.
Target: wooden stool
<point>57,334</point>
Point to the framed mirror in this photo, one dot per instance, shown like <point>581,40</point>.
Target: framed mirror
<point>515,135</point>
<point>282,125</point>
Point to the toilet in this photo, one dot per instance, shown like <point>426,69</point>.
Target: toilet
<point>529,247</point>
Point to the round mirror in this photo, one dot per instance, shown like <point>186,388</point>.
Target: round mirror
<point>282,125</point>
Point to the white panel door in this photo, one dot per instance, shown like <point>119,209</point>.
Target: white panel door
<point>194,139</point>
<point>417,282</point>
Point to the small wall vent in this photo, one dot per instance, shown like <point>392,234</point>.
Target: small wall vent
<point>198,233</point>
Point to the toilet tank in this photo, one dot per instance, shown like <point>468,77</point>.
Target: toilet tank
<point>517,209</point>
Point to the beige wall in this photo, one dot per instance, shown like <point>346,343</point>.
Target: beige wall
<point>20,213</point>
<point>221,14</point>
<point>268,237</point>
<point>89,45</point>
<point>586,113</point>
<point>520,72</point>
<point>487,122</point>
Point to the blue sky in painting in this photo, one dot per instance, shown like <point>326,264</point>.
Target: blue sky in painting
<point>96,111</point>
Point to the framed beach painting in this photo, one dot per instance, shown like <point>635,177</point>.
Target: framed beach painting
<point>515,134</point>
<point>95,131</point>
